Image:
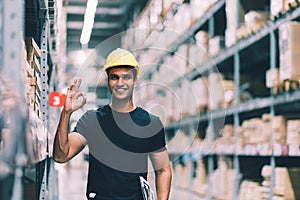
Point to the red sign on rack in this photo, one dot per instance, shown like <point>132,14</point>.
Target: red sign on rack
<point>56,99</point>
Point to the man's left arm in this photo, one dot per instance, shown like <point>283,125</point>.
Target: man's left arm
<point>163,173</point>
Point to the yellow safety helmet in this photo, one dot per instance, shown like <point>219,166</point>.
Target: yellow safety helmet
<point>121,57</point>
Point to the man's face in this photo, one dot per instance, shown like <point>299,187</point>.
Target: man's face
<point>121,82</point>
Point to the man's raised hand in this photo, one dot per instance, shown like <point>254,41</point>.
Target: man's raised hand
<point>74,98</point>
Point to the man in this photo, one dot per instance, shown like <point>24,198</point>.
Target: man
<point>120,137</point>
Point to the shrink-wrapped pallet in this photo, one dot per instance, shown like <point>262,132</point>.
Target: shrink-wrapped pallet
<point>289,49</point>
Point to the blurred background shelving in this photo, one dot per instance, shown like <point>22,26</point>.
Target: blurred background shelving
<point>223,75</point>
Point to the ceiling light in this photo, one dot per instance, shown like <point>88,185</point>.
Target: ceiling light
<point>88,21</point>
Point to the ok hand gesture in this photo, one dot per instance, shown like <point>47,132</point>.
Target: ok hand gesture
<point>73,101</point>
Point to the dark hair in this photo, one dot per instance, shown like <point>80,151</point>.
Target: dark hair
<point>134,71</point>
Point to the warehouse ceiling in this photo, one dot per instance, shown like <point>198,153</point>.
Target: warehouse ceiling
<point>112,17</point>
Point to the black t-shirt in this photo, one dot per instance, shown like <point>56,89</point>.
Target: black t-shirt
<point>119,145</point>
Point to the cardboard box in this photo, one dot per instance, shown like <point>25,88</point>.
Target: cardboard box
<point>35,63</point>
<point>32,48</point>
<point>272,78</point>
<point>215,45</point>
<point>35,81</point>
<point>28,69</point>
<point>278,7</point>
<point>289,49</point>
<point>230,37</point>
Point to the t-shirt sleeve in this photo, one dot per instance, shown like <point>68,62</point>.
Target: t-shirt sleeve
<point>159,141</point>
<point>82,124</point>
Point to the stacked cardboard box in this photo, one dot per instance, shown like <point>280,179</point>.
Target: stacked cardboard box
<point>198,52</point>
<point>293,134</point>
<point>227,135</point>
<point>200,91</point>
<point>215,45</point>
<point>289,51</point>
<point>234,17</point>
<point>221,91</point>
<point>279,7</point>
<point>253,20</point>
<point>250,190</point>
<point>223,180</point>
<point>279,129</point>
<point>33,86</point>
<point>283,188</point>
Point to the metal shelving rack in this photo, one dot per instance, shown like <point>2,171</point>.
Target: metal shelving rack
<point>265,35</point>
<point>12,33</point>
